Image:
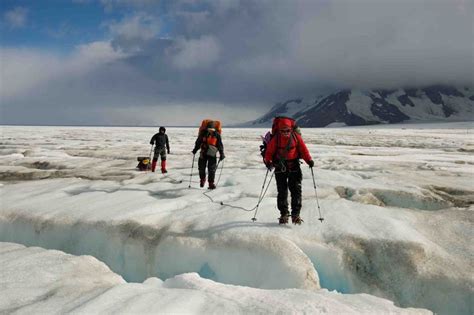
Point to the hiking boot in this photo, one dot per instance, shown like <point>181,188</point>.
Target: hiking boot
<point>163,167</point>
<point>211,185</point>
<point>202,182</point>
<point>283,219</point>
<point>295,219</point>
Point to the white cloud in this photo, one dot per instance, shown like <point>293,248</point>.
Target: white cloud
<point>186,114</point>
<point>196,53</point>
<point>17,17</point>
<point>194,20</point>
<point>246,52</point>
<point>141,26</point>
<point>98,52</point>
<point>131,32</point>
<point>23,70</point>
<point>223,6</point>
<point>384,43</point>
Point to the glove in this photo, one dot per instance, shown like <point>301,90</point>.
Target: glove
<point>151,142</point>
<point>194,151</point>
<point>311,163</point>
<point>221,157</point>
<point>168,151</point>
<point>269,165</point>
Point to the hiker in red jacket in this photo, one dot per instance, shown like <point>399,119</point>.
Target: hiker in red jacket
<point>283,152</point>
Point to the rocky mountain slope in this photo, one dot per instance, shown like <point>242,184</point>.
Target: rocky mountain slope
<point>357,107</point>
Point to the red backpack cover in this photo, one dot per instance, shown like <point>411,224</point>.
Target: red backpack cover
<point>282,122</point>
<point>285,148</point>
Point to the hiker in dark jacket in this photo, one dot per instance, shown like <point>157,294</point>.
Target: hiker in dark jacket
<point>210,142</point>
<point>162,146</point>
<point>284,150</point>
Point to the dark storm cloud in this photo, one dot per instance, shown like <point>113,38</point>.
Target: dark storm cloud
<point>269,49</point>
<point>172,54</point>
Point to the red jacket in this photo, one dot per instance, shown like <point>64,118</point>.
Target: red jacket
<point>278,148</point>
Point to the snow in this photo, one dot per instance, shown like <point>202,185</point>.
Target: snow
<point>462,105</point>
<point>294,107</point>
<point>336,125</point>
<point>424,109</point>
<point>359,104</point>
<point>35,280</point>
<point>397,202</point>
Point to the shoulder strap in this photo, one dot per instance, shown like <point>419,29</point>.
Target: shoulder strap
<point>296,137</point>
<point>288,145</point>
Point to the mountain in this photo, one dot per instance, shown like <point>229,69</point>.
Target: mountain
<point>358,107</point>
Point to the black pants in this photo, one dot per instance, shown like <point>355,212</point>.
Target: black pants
<point>211,166</point>
<point>290,179</point>
<point>159,151</point>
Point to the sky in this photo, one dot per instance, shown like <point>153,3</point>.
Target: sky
<point>175,62</point>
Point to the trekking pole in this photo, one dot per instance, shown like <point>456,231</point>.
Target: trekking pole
<point>219,178</point>
<point>149,159</point>
<point>191,175</point>
<point>317,200</point>
<point>260,196</point>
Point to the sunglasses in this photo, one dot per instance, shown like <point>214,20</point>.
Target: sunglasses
<point>285,131</point>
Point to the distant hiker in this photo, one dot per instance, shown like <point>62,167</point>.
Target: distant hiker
<point>283,151</point>
<point>210,142</point>
<point>162,146</point>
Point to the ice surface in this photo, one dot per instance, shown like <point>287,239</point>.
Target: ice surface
<point>35,280</point>
<point>397,203</point>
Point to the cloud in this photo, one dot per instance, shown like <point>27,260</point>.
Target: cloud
<point>386,44</point>
<point>97,52</point>
<point>25,70</point>
<point>22,69</point>
<point>275,50</point>
<point>196,53</point>
<point>241,56</point>
<point>189,114</point>
<point>16,18</point>
<point>133,31</point>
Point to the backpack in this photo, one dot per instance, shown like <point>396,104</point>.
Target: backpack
<point>210,123</point>
<point>209,140</point>
<point>278,123</point>
<point>143,163</point>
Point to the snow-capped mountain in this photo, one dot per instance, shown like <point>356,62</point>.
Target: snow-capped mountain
<point>357,107</point>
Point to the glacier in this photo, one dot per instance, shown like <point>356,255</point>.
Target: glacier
<point>397,202</point>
